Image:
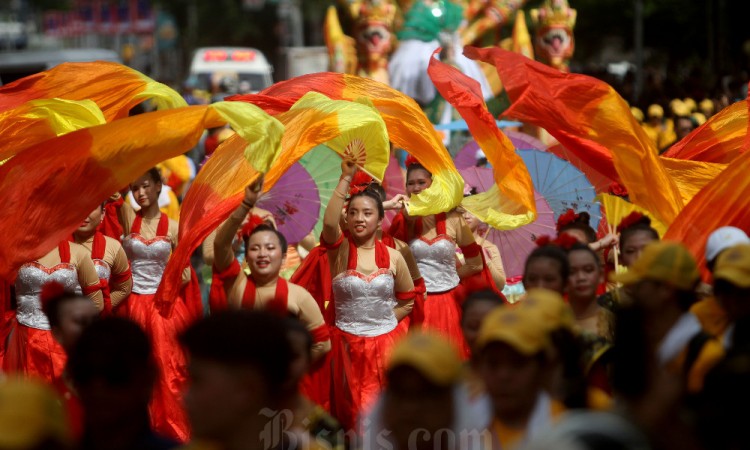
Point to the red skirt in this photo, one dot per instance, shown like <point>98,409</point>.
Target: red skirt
<point>168,416</point>
<point>358,370</point>
<point>443,315</point>
<point>33,353</point>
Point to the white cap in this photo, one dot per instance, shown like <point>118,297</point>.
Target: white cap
<point>723,238</point>
<point>479,155</point>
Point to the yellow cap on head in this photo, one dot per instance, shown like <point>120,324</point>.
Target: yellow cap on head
<point>520,328</point>
<point>699,118</point>
<point>655,111</point>
<point>733,265</point>
<point>690,103</point>
<point>551,309</point>
<point>30,413</point>
<point>431,355</point>
<point>664,261</point>
<point>679,108</point>
<point>706,106</point>
<point>637,113</point>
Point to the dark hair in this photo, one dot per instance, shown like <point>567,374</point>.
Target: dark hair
<point>154,174</point>
<point>480,297</point>
<point>378,189</point>
<point>52,306</point>
<point>269,229</point>
<point>571,351</point>
<point>415,166</point>
<point>581,223</point>
<point>686,298</point>
<point>372,194</point>
<point>246,338</point>
<point>552,252</point>
<point>113,349</point>
<point>294,325</point>
<point>585,248</point>
<point>643,224</point>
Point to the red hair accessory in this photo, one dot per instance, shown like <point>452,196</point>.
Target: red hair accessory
<point>543,241</point>
<point>631,219</point>
<point>569,217</point>
<point>617,189</point>
<point>51,290</point>
<point>566,241</point>
<point>359,183</point>
<point>410,160</point>
<point>251,224</point>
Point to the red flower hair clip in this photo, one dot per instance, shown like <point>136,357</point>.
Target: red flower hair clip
<point>617,189</point>
<point>410,160</point>
<point>631,219</point>
<point>359,183</point>
<point>543,241</point>
<point>251,224</point>
<point>569,217</point>
<point>566,241</point>
<point>50,291</point>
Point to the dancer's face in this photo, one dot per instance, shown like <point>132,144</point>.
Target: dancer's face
<point>264,254</point>
<point>362,218</point>
<point>145,191</point>
<point>417,181</point>
<point>93,220</point>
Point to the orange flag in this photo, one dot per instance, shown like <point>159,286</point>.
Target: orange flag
<point>113,87</point>
<point>510,203</point>
<point>407,126</point>
<point>591,120</point>
<point>48,188</point>
<point>719,140</point>
<point>724,201</point>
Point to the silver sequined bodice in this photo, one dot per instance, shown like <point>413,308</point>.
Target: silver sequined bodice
<point>148,258</point>
<point>103,271</point>
<point>436,260</point>
<point>364,304</point>
<point>31,278</point>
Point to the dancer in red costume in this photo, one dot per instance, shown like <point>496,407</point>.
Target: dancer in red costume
<point>264,288</point>
<point>433,241</point>
<point>32,350</point>
<point>109,258</point>
<point>150,237</point>
<point>372,292</point>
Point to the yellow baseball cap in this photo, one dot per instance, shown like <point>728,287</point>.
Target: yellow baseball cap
<point>30,412</point>
<point>679,108</point>
<point>733,265</point>
<point>668,262</point>
<point>637,113</point>
<point>690,103</point>
<point>707,106</point>
<point>655,111</point>
<point>551,309</point>
<point>699,118</point>
<point>521,328</point>
<point>431,355</point>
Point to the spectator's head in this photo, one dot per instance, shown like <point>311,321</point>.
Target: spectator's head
<point>68,314</point>
<point>722,239</point>
<point>422,373</point>
<point>301,345</point>
<point>112,364</point>
<point>239,366</point>
<point>732,281</point>
<point>31,417</point>
<point>512,351</point>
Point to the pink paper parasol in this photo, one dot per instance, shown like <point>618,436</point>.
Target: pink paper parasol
<point>467,156</point>
<point>394,183</point>
<point>294,203</point>
<point>514,245</point>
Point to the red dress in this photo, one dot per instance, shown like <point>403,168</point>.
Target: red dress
<point>148,258</point>
<point>365,331</point>
<point>31,349</point>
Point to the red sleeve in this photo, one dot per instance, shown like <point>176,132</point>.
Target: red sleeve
<point>320,334</point>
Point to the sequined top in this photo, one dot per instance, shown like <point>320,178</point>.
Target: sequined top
<point>436,259</point>
<point>31,277</point>
<point>102,269</point>
<point>148,258</point>
<point>364,303</point>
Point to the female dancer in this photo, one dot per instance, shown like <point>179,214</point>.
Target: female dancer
<point>109,258</point>
<point>150,237</point>
<point>586,274</point>
<point>372,292</point>
<point>32,350</point>
<point>433,241</point>
<point>264,288</point>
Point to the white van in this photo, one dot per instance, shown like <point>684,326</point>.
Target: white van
<point>247,69</point>
<point>15,65</point>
